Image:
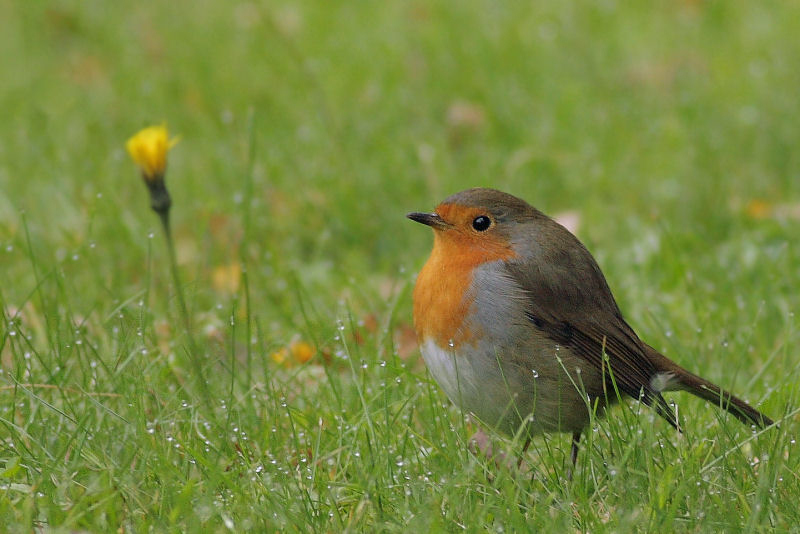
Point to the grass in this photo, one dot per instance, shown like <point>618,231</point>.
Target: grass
<point>308,131</point>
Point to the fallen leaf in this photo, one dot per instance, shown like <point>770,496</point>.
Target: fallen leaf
<point>405,338</point>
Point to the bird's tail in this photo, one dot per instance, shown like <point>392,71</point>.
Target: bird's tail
<point>673,377</point>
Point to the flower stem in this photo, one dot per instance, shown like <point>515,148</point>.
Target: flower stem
<point>193,351</point>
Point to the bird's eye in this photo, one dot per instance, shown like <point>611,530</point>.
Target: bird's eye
<point>481,223</point>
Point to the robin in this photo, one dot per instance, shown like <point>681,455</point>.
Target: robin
<point>517,324</point>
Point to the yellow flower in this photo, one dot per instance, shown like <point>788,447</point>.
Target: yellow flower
<point>302,351</point>
<point>297,352</point>
<point>280,355</point>
<point>148,148</point>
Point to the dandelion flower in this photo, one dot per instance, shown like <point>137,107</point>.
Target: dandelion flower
<point>148,148</point>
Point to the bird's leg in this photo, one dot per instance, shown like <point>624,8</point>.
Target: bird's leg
<point>576,440</point>
<point>524,450</point>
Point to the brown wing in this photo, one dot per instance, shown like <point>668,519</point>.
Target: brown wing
<point>570,302</point>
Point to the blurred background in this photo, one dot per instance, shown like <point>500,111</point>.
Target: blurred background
<point>677,115</point>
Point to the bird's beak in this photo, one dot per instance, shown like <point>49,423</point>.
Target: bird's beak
<point>431,219</point>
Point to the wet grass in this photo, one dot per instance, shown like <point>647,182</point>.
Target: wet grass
<point>308,131</point>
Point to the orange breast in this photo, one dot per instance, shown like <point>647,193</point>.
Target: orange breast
<point>443,292</point>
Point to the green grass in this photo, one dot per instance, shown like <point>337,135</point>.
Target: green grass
<point>308,131</point>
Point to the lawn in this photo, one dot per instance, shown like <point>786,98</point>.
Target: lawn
<point>297,399</point>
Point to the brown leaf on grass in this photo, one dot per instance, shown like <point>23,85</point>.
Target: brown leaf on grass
<point>368,325</point>
<point>405,339</point>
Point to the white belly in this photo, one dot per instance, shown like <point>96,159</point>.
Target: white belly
<point>542,394</point>
<point>477,385</point>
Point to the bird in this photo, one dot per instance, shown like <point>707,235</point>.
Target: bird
<point>517,324</point>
